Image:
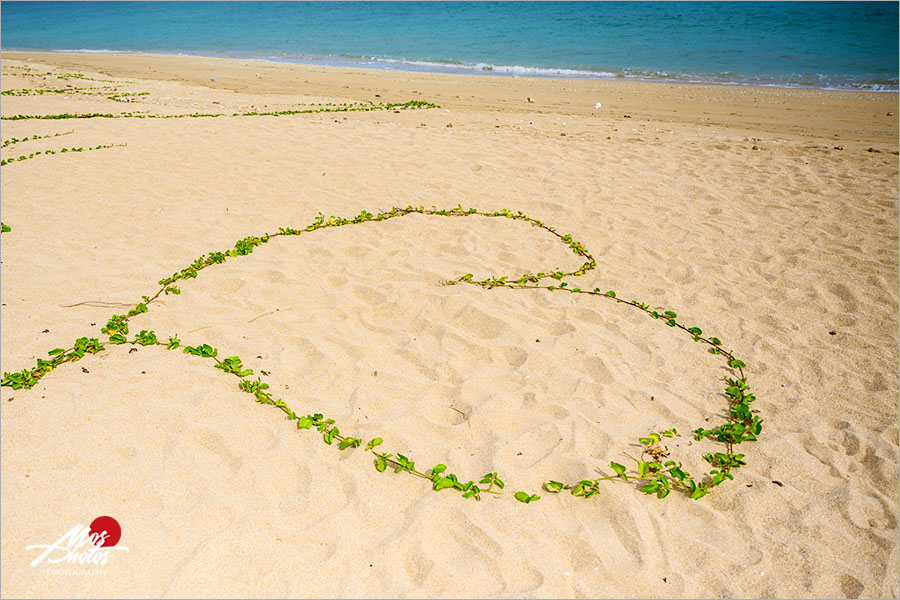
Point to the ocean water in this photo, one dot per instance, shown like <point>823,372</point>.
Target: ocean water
<point>840,45</point>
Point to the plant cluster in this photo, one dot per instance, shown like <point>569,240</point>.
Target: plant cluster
<point>654,472</point>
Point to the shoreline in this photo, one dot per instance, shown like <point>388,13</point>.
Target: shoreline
<point>448,68</point>
<point>828,114</point>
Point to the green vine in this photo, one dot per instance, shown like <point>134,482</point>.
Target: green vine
<point>14,141</point>
<point>30,72</point>
<point>6,161</point>
<point>41,92</point>
<point>387,106</point>
<point>653,472</point>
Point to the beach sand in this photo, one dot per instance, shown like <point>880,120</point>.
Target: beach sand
<point>767,217</point>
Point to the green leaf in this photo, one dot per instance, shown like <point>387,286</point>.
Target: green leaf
<point>554,487</point>
<point>443,483</point>
<point>304,422</point>
<point>349,442</point>
<point>328,435</point>
<point>381,464</point>
<point>374,443</point>
<point>522,497</point>
<point>651,488</point>
<point>404,464</point>
<point>619,469</point>
<point>611,294</point>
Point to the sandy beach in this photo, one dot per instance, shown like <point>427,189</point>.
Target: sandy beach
<point>767,217</point>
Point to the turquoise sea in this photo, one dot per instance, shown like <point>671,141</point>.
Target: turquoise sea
<point>842,45</point>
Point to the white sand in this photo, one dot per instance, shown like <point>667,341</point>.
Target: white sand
<point>731,206</point>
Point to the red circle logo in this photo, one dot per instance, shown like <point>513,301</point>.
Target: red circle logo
<point>105,531</point>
